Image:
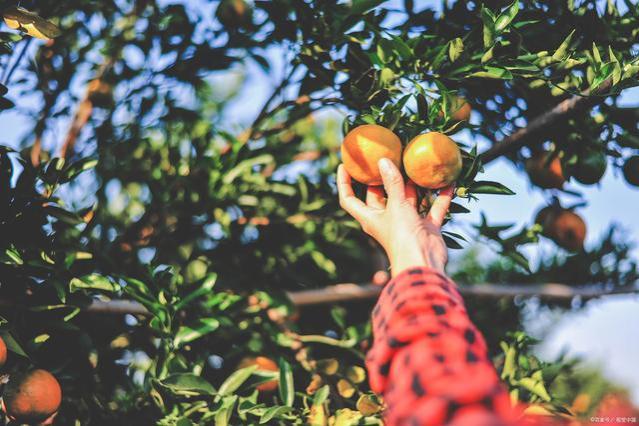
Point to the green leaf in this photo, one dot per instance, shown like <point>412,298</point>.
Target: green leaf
<point>518,258</point>
<point>274,412</point>
<point>489,27</point>
<point>12,344</point>
<point>235,380</point>
<point>63,215</point>
<point>204,289</point>
<point>5,103</point>
<point>451,243</point>
<point>489,187</point>
<point>616,72</point>
<point>455,49</point>
<point>562,51</point>
<point>358,7</point>
<point>508,371</point>
<point>93,282</point>
<point>602,75</point>
<point>30,23</point>
<point>286,386</point>
<point>187,384</point>
<point>321,395</point>
<point>384,50</point>
<point>403,49</point>
<point>507,16</point>
<point>78,167</point>
<point>13,256</point>
<point>493,72</point>
<point>595,54</point>
<point>202,327</point>
<point>225,412</point>
<point>457,208</point>
<point>536,387</point>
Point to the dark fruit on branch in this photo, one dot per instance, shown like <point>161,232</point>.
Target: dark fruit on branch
<point>545,172</point>
<point>590,167</point>
<point>631,170</point>
<point>566,228</point>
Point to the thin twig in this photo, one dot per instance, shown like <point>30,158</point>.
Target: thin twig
<point>264,111</point>
<point>25,47</point>
<point>522,137</point>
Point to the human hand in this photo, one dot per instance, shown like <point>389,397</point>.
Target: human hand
<point>408,239</point>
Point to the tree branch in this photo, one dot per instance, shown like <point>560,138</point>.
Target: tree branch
<point>522,137</point>
<point>349,292</point>
<point>83,113</point>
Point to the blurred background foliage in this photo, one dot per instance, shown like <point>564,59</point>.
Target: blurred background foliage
<point>137,183</point>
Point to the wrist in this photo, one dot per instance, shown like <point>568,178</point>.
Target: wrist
<point>407,256</point>
<point>412,256</point>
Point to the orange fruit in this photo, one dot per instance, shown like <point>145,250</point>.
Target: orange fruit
<point>3,353</point>
<point>264,364</point>
<point>631,170</point>
<point>432,160</point>
<point>32,396</point>
<point>545,174</point>
<point>460,109</point>
<point>234,13</point>
<point>566,228</point>
<point>362,149</point>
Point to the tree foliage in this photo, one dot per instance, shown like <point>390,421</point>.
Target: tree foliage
<point>158,193</point>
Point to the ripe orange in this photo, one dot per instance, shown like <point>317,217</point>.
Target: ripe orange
<point>32,396</point>
<point>234,13</point>
<point>364,146</point>
<point>432,160</point>
<point>264,364</point>
<point>543,174</point>
<point>460,109</point>
<point>631,170</point>
<point>3,353</point>
<point>566,228</point>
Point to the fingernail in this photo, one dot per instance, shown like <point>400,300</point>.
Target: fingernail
<point>385,165</point>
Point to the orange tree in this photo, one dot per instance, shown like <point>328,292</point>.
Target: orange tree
<point>161,195</point>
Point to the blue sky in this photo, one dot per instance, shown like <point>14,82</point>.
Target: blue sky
<point>600,332</point>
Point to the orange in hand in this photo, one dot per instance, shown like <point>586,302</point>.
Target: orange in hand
<point>432,160</point>
<point>362,149</point>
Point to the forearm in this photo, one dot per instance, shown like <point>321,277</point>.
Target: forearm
<point>428,359</point>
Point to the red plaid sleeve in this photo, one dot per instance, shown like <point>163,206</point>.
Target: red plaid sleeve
<point>429,360</point>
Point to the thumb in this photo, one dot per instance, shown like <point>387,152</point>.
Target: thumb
<point>392,179</point>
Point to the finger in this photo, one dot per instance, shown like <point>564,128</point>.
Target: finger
<point>440,206</point>
<point>411,193</point>
<point>375,197</point>
<point>347,199</point>
<point>393,180</point>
